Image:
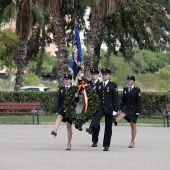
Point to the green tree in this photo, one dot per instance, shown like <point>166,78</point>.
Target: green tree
<point>145,61</point>
<point>24,23</point>
<point>8,45</point>
<point>164,73</point>
<point>144,24</point>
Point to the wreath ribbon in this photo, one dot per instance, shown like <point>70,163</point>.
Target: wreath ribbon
<point>83,85</point>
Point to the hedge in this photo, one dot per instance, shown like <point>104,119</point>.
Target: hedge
<point>48,100</point>
<point>153,103</point>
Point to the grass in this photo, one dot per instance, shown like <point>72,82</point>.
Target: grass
<point>52,118</point>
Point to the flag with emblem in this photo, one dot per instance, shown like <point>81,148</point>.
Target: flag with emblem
<point>76,63</point>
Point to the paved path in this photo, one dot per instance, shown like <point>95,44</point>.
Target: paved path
<point>31,147</point>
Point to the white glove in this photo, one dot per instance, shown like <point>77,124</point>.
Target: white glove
<point>137,114</point>
<point>114,113</point>
<point>81,74</point>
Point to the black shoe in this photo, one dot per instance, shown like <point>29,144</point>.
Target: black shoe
<point>115,123</point>
<point>89,130</point>
<point>94,144</point>
<point>131,146</point>
<point>68,148</point>
<point>79,127</point>
<point>106,148</point>
<point>53,133</point>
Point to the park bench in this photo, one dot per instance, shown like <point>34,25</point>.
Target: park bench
<point>14,108</point>
<point>166,114</point>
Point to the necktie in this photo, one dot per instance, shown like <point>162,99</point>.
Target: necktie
<point>104,85</point>
<point>130,88</point>
<point>66,88</point>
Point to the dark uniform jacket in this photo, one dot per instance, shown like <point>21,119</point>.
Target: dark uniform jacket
<point>93,85</point>
<point>131,100</point>
<point>108,96</point>
<point>61,96</point>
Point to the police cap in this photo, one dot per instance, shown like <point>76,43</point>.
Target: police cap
<point>131,77</point>
<point>94,71</point>
<point>68,76</point>
<point>105,71</point>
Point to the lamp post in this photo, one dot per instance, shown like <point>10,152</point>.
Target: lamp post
<point>10,75</point>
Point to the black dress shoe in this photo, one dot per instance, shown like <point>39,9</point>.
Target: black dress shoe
<point>89,130</point>
<point>106,148</point>
<point>53,133</point>
<point>94,144</point>
<point>115,123</point>
<point>79,127</point>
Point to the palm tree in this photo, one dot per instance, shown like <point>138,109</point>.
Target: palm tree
<point>99,8</point>
<point>20,11</point>
<point>24,26</point>
<point>57,24</point>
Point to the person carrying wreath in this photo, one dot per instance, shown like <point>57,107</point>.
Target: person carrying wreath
<point>93,82</point>
<point>108,95</point>
<point>60,110</point>
<point>130,106</point>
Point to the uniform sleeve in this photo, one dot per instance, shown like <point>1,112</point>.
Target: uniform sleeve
<point>77,98</point>
<point>138,101</point>
<point>115,96</point>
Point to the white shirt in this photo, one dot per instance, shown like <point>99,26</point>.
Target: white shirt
<point>106,82</point>
<point>94,82</point>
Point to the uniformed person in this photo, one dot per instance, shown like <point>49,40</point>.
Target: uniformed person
<point>108,95</point>
<point>60,110</point>
<point>93,82</point>
<point>94,78</point>
<point>130,106</point>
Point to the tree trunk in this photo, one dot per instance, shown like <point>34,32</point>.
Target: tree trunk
<point>20,62</point>
<point>91,58</point>
<point>97,54</point>
<point>59,36</point>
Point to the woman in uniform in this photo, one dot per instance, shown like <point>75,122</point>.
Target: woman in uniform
<point>60,110</point>
<point>130,107</point>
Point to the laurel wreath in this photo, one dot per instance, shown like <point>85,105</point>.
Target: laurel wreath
<point>70,105</point>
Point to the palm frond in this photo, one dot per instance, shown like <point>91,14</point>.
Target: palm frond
<point>10,12</point>
<point>25,19</point>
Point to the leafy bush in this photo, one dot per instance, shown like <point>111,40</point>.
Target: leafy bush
<point>30,79</point>
<point>153,104</point>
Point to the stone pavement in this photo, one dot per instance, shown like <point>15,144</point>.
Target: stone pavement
<point>28,147</point>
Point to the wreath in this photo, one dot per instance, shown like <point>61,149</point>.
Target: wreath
<point>89,110</point>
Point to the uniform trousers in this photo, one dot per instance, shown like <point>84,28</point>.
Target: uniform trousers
<point>108,125</point>
<point>95,135</point>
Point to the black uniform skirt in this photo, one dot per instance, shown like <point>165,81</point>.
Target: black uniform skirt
<point>65,119</point>
<point>130,114</point>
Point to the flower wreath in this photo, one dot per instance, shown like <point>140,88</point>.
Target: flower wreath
<point>89,110</point>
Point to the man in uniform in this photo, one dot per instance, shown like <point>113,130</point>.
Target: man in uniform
<point>93,82</point>
<point>108,95</point>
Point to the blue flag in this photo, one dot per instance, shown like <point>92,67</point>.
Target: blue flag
<point>76,63</point>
